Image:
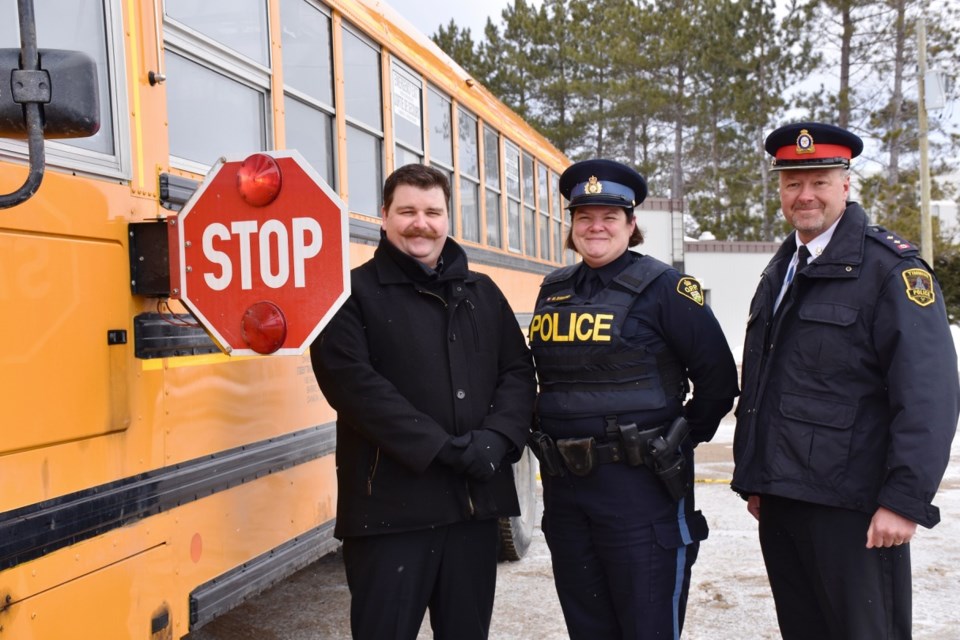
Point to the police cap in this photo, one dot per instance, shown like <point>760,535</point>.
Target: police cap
<point>604,182</point>
<point>812,145</point>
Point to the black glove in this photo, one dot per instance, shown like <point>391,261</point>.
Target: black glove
<point>451,453</point>
<point>484,454</point>
<point>477,454</point>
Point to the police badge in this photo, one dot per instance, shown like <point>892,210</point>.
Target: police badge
<point>593,185</point>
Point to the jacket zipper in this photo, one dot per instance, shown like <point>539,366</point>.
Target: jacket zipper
<point>373,472</point>
<point>473,324</point>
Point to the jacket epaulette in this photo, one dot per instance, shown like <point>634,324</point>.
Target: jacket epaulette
<point>892,241</point>
<point>560,274</point>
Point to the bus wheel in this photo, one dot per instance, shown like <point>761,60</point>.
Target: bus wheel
<point>516,532</point>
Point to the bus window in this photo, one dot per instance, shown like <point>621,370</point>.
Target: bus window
<point>557,254</point>
<point>308,84</point>
<point>211,114</point>
<point>240,25</point>
<point>93,29</point>
<point>491,178</point>
<point>361,90</point>
<point>511,162</point>
<point>440,117</point>
<point>529,219</point>
<point>407,116</point>
<point>544,210</point>
<point>469,176</point>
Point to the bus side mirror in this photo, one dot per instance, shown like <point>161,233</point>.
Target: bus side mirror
<point>66,88</point>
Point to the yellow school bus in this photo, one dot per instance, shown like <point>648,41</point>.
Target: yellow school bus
<point>148,481</point>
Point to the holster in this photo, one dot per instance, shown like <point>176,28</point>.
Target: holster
<point>674,477</point>
<point>580,454</point>
<point>545,449</point>
<point>669,463</point>
<point>636,443</point>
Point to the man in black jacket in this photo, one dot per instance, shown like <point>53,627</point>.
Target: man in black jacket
<point>849,402</point>
<point>433,386</point>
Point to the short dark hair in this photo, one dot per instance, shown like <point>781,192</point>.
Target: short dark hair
<point>636,238</point>
<point>415,175</point>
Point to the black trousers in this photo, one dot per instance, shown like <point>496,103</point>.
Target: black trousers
<point>622,553</point>
<point>826,584</point>
<point>394,578</point>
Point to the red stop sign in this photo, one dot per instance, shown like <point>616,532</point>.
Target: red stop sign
<point>263,254</point>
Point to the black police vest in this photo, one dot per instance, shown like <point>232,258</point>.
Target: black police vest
<point>584,365</point>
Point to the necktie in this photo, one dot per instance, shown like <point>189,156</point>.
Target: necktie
<point>803,255</point>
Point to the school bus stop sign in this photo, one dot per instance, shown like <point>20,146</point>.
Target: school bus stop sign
<point>260,254</point>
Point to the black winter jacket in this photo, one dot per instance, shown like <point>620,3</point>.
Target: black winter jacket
<point>409,360</point>
<point>850,394</point>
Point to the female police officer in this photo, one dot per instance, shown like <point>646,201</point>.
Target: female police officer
<point>616,339</point>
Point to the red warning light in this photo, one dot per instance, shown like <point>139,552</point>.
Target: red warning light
<point>259,180</point>
<point>264,327</point>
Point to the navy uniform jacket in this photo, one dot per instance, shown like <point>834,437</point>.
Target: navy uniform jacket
<point>410,359</point>
<point>850,394</point>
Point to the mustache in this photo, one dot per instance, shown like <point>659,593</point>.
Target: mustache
<point>429,234</point>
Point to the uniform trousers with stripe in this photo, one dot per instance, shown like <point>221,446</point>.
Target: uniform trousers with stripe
<point>826,584</point>
<point>394,578</point>
<point>621,554</point>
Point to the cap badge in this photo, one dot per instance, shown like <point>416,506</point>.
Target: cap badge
<point>593,185</point>
<point>805,142</point>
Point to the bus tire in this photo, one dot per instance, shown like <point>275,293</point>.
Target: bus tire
<point>516,532</point>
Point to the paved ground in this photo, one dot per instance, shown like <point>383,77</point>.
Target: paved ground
<point>729,597</point>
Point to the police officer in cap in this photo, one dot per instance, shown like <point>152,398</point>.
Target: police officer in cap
<point>616,339</point>
<point>850,402</point>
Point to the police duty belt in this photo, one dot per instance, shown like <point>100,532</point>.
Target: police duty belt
<point>657,448</point>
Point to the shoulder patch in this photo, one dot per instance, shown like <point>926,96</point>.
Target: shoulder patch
<point>892,241</point>
<point>690,288</point>
<point>919,284</point>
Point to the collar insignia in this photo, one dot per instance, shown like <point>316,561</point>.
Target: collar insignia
<point>805,143</point>
<point>593,185</point>
<point>919,286</point>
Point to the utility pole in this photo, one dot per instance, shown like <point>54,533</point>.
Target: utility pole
<point>926,227</point>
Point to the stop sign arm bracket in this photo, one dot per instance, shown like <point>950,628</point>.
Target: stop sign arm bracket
<point>150,258</point>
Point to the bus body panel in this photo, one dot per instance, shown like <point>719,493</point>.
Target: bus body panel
<point>129,483</point>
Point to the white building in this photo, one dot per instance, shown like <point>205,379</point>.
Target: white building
<point>729,273</point>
